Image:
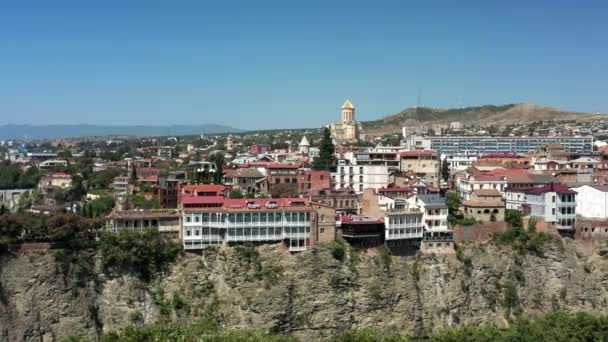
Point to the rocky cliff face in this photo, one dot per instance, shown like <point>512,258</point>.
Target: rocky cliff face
<point>44,296</point>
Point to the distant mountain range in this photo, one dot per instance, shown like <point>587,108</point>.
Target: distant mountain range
<point>497,115</point>
<point>12,131</point>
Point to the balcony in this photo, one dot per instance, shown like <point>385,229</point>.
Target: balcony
<point>191,245</point>
<point>398,236</point>
<point>242,238</point>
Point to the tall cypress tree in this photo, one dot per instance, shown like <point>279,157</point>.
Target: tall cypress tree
<point>327,152</point>
<point>445,169</point>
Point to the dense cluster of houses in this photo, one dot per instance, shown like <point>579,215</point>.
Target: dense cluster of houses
<point>375,196</point>
<point>383,195</point>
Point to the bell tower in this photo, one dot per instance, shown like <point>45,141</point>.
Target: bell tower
<point>348,112</point>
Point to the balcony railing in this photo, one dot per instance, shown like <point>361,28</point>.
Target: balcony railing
<point>267,237</point>
<point>403,236</point>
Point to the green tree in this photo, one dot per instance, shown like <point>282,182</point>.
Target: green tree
<point>445,169</point>
<point>236,194</point>
<point>327,151</point>
<point>133,173</point>
<point>144,252</point>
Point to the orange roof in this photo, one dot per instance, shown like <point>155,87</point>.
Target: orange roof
<point>205,188</point>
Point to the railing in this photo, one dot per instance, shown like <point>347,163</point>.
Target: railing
<point>198,245</point>
<point>403,225</point>
<point>214,237</point>
<point>228,224</point>
<point>267,237</point>
<point>403,236</point>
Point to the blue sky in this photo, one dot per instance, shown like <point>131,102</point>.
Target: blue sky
<point>274,64</point>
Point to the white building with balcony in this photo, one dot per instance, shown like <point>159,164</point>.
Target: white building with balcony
<point>434,211</point>
<point>209,221</point>
<point>360,177</point>
<point>434,216</point>
<point>402,223</point>
<point>554,203</point>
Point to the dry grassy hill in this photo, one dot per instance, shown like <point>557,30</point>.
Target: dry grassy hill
<point>499,115</point>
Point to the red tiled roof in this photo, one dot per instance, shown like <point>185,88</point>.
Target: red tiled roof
<point>602,188</point>
<point>551,187</point>
<point>242,203</point>
<point>507,171</point>
<point>205,188</point>
<point>282,166</point>
<point>202,200</point>
<point>394,189</point>
<point>151,178</point>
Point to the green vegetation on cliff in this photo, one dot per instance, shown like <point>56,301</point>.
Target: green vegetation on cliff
<point>143,252</point>
<point>554,327</point>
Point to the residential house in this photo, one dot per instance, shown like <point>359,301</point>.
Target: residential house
<point>214,220</point>
<point>425,164</point>
<point>554,203</point>
<point>485,205</point>
<point>592,201</point>
<point>167,221</point>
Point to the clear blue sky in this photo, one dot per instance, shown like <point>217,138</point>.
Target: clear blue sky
<point>269,64</point>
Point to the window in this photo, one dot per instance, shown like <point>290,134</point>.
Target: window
<point>553,199</point>
<point>553,211</point>
<point>322,230</point>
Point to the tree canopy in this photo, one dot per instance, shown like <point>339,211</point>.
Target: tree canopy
<point>327,151</point>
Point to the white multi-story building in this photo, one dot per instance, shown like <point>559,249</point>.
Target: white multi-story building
<point>555,203</point>
<point>402,224</point>
<point>472,182</point>
<point>434,211</point>
<point>360,177</point>
<point>213,220</point>
<point>592,201</point>
<point>486,144</point>
<point>460,161</point>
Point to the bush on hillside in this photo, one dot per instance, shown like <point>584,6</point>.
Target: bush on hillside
<point>143,252</point>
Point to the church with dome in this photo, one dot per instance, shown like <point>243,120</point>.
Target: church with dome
<point>347,129</point>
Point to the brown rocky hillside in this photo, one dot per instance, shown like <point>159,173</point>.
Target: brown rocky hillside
<point>312,295</point>
<point>499,115</point>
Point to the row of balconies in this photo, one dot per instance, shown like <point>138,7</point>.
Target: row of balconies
<point>248,224</point>
<point>245,238</point>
